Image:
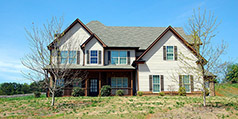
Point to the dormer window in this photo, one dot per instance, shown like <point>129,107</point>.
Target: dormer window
<point>93,56</point>
<point>68,57</point>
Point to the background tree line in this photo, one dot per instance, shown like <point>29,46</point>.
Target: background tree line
<point>17,88</point>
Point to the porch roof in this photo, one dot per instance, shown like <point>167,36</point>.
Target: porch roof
<point>74,66</point>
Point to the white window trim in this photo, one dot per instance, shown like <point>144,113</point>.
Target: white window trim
<point>167,53</point>
<point>156,83</point>
<point>186,83</point>
<point>118,58</point>
<point>94,56</point>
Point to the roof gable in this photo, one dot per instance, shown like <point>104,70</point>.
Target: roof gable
<point>177,35</point>
<point>90,38</point>
<point>68,28</point>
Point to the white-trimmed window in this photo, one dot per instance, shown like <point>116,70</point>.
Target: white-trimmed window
<point>156,83</point>
<point>60,82</point>
<point>118,57</point>
<point>93,57</point>
<point>68,57</point>
<point>186,83</point>
<point>170,52</point>
<point>119,82</point>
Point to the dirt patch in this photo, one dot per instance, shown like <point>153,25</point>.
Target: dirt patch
<point>192,111</point>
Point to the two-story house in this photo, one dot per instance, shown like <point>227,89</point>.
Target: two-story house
<point>128,58</point>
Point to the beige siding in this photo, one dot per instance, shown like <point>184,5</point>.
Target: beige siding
<point>72,40</point>
<point>93,44</point>
<point>155,65</point>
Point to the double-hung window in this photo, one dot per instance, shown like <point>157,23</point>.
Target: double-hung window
<point>60,82</point>
<point>68,57</point>
<point>93,56</point>
<point>170,53</point>
<point>77,83</point>
<point>156,83</point>
<point>118,57</point>
<point>119,82</point>
<point>186,83</point>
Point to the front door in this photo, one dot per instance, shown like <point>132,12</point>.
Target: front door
<point>93,91</point>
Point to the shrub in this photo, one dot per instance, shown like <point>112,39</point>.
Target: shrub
<point>182,91</point>
<point>58,92</point>
<point>120,93</point>
<point>106,90</point>
<point>161,94</point>
<point>37,94</point>
<point>77,91</point>
<point>206,92</point>
<point>139,93</point>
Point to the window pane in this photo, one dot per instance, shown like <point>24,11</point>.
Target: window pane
<point>156,88</point>
<point>122,60</point>
<point>170,49</point>
<point>170,57</point>
<point>114,53</point>
<point>119,82</point>
<point>93,60</point>
<point>123,54</point>
<point>156,79</point>
<point>186,79</point>
<point>113,82</point>
<point>72,54</point>
<point>64,54</point>
<point>72,60</point>
<point>187,87</point>
<point>94,53</point>
<point>63,60</point>
<point>125,82</point>
<point>114,60</point>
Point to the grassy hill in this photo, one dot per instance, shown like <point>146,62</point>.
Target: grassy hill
<point>227,89</point>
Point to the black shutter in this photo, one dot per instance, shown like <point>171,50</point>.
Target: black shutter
<point>162,82</point>
<point>100,56</point>
<point>192,84</point>
<point>164,52</point>
<point>150,82</point>
<point>180,81</point>
<point>175,53</point>
<point>78,57</point>
<point>58,57</point>
<point>109,57</point>
<point>87,57</point>
<point>128,58</point>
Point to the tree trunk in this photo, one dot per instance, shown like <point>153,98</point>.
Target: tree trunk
<point>53,99</point>
<point>204,95</point>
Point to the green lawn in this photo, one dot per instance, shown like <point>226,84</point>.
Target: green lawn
<point>109,107</point>
<point>227,89</point>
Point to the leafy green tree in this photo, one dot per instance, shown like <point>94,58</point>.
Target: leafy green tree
<point>232,73</point>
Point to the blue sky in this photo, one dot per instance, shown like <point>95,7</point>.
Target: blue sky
<point>15,15</point>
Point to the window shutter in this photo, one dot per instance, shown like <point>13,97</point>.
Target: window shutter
<point>87,56</point>
<point>78,57</point>
<point>175,53</point>
<point>100,56</point>
<point>150,81</point>
<point>109,57</point>
<point>162,82</point>
<point>58,57</point>
<point>180,81</point>
<point>192,84</point>
<point>164,50</point>
<point>128,58</point>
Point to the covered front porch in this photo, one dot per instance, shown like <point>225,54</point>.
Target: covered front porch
<point>117,79</point>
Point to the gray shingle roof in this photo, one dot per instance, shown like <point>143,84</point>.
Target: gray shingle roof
<point>118,36</point>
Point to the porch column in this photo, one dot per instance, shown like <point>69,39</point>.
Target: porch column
<point>131,83</point>
<point>100,84</point>
<point>86,87</point>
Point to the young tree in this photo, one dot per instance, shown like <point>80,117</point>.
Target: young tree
<point>201,28</point>
<point>56,61</point>
<point>232,73</point>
